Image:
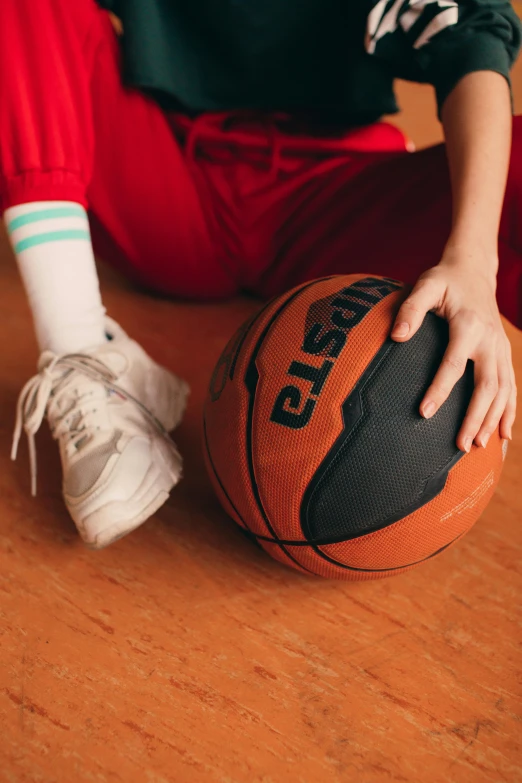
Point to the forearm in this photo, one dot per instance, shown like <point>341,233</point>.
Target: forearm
<point>477,125</point>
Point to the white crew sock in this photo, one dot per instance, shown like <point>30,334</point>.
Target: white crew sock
<point>52,245</point>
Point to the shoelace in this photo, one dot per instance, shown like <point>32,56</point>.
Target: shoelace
<point>34,400</point>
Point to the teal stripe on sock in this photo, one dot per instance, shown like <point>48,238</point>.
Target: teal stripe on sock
<point>46,214</point>
<point>52,236</point>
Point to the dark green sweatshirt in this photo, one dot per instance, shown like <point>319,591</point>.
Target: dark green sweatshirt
<point>336,59</point>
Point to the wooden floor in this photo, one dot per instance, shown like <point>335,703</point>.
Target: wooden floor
<point>183,654</point>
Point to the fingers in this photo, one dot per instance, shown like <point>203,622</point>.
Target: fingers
<point>424,297</point>
<point>494,414</point>
<point>508,416</point>
<point>472,336</point>
<point>494,397</point>
<point>493,371</point>
<point>486,406</point>
<point>476,333</point>
<point>461,345</point>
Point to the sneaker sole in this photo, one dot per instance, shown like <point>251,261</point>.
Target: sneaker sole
<point>107,537</point>
<point>155,489</point>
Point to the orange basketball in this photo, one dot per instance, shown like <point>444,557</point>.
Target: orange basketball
<point>314,442</point>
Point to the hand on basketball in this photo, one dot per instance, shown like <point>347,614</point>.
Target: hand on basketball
<point>456,291</point>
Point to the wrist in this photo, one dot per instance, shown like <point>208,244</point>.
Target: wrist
<point>473,256</point>
<point>476,239</point>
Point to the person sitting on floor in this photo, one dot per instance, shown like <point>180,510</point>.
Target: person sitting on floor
<point>221,147</point>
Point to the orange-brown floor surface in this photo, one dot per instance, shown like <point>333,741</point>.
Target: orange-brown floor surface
<point>182,654</point>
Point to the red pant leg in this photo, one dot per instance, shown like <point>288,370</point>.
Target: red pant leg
<point>390,217</point>
<point>69,130</point>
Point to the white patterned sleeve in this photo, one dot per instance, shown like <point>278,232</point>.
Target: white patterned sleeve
<point>440,41</point>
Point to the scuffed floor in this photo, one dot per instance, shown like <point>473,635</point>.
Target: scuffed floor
<point>184,654</point>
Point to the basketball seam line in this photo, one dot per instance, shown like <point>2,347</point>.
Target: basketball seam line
<point>254,318</point>
<point>251,368</point>
<point>392,568</point>
<point>370,369</point>
<point>219,480</point>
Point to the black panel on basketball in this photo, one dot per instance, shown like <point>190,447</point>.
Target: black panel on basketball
<point>388,461</point>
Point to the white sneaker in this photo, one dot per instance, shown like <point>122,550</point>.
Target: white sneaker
<point>110,409</point>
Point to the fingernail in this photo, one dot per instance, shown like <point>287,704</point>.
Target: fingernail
<point>428,410</point>
<point>401,330</point>
<point>510,434</point>
<point>467,444</point>
<point>484,439</point>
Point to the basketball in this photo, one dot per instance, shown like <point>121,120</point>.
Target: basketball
<point>314,442</point>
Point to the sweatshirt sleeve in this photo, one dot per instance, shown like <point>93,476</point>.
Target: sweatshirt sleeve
<point>110,5</point>
<point>440,41</point>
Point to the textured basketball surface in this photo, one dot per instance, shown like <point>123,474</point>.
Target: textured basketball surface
<point>314,442</point>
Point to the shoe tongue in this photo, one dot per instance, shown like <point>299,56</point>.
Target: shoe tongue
<point>107,354</point>
<point>111,358</point>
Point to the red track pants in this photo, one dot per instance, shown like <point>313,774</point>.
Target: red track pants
<point>224,203</point>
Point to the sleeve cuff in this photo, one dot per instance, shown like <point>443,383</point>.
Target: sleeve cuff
<point>108,5</point>
<point>481,52</point>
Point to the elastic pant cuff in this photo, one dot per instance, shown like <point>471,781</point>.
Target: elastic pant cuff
<point>35,185</point>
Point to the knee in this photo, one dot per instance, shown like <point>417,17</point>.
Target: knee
<point>512,212</point>
<point>514,184</point>
<point>516,144</point>
<point>23,22</point>
<point>43,40</point>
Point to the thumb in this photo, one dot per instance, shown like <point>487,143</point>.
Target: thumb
<point>424,297</point>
